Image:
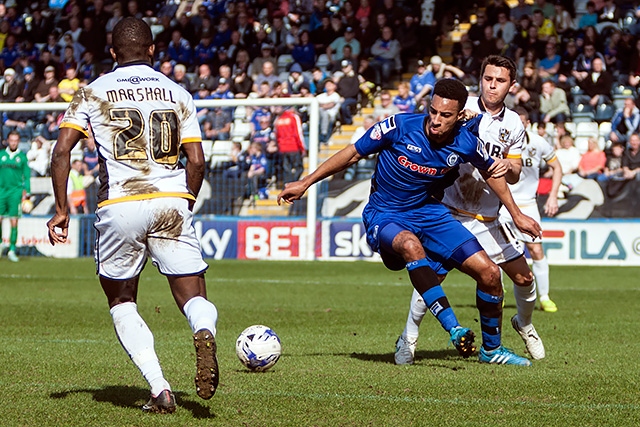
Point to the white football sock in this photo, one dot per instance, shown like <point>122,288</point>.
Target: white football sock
<point>137,340</point>
<point>201,314</point>
<point>525,297</point>
<point>417,311</point>
<point>540,270</point>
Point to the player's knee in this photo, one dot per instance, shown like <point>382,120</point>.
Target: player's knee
<point>490,277</point>
<point>409,247</point>
<point>524,279</point>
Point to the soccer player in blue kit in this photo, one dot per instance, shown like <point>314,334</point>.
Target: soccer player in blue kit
<point>410,229</point>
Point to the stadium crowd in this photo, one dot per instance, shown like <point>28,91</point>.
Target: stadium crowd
<point>578,64</point>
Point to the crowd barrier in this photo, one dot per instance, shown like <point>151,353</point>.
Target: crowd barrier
<point>602,242</point>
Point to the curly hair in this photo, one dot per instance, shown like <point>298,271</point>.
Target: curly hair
<point>452,89</point>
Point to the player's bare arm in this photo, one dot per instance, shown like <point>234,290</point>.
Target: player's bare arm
<point>524,223</point>
<point>509,168</point>
<point>336,163</point>
<point>195,166</point>
<point>60,167</point>
<point>551,206</point>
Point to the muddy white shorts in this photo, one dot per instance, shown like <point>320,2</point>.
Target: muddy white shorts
<point>162,229</point>
<point>529,210</point>
<point>497,239</point>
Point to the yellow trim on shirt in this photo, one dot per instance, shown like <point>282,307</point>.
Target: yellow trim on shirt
<point>144,197</point>
<point>193,139</point>
<point>472,215</point>
<point>76,127</point>
<point>514,156</point>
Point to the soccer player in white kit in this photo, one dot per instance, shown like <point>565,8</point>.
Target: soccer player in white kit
<point>535,151</point>
<point>476,206</point>
<point>142,121</point>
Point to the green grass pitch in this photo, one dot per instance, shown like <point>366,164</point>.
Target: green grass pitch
<point>61,364</point>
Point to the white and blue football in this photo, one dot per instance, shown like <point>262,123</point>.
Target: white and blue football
<point>258,348</point>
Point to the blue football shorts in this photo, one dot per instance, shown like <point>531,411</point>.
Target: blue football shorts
<point>446,242</point>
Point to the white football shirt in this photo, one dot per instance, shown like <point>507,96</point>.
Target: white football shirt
<point>139,119</point>
<point>503,136</point>
<point>534,151</point>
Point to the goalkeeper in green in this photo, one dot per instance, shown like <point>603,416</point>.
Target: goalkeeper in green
<point>15,186</point>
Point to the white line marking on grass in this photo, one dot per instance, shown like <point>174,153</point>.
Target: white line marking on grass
<point>456,401</point>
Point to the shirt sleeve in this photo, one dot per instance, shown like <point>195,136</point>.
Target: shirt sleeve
<point>378,137</point>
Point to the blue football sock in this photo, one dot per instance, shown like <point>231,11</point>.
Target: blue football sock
<point>426,282</point>
<point>490,308</point>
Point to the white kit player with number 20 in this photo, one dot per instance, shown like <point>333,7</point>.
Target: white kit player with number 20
<point>142,123</point>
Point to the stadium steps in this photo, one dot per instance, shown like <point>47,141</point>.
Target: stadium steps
<point>267,207</point>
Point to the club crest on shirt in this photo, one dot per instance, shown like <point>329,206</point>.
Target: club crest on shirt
<point>532,151</point>
<point>452,159</point>
<point>504,135</point>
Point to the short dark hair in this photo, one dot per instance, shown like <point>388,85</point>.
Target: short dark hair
<point>501,62</point>
<point>452,89</point>
<point>131,38</point>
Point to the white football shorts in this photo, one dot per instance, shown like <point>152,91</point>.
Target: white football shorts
<point>497,239</point>
<point>529,210</point>
<point>161,229</point>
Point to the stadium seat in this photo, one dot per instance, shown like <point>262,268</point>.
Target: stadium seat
<point>622,91</point>
<point>576,90</point>
<point>550,128</point>
<point>240,131</point>
<point>582,113</point>
<point>604,112</point>
<point>587,129</point>
<point>571,127</point>
<point>220,152</point>
<point>207,149</point>
<point>582,143</point>
<point>284,60</point>
<point>240,113</point>
<point>604,129</point>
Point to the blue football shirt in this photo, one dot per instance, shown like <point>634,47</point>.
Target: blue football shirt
<point>409,166</point>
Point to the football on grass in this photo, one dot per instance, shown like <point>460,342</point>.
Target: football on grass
<point>258,348</point>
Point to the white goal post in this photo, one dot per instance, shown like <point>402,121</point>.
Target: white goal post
<point>314,127</point>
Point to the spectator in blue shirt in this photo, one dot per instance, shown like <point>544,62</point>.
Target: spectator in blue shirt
<point>179,49</point>
<point>404,100</point>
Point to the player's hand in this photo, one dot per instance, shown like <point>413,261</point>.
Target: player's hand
<point>551,207</point>
<point>468,114</point>
<point>500,167</point>
<point>528,225</point>
<point>292,191</point>
<point>60,222</point>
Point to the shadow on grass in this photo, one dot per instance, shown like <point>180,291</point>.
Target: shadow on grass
<point>134,398</point>
<point>421,355</point>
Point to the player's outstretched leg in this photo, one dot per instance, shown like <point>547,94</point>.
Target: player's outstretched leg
<point>137,341</point>
<point>425,280</point>
<point>406,343</point>
<point>202,316</point>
